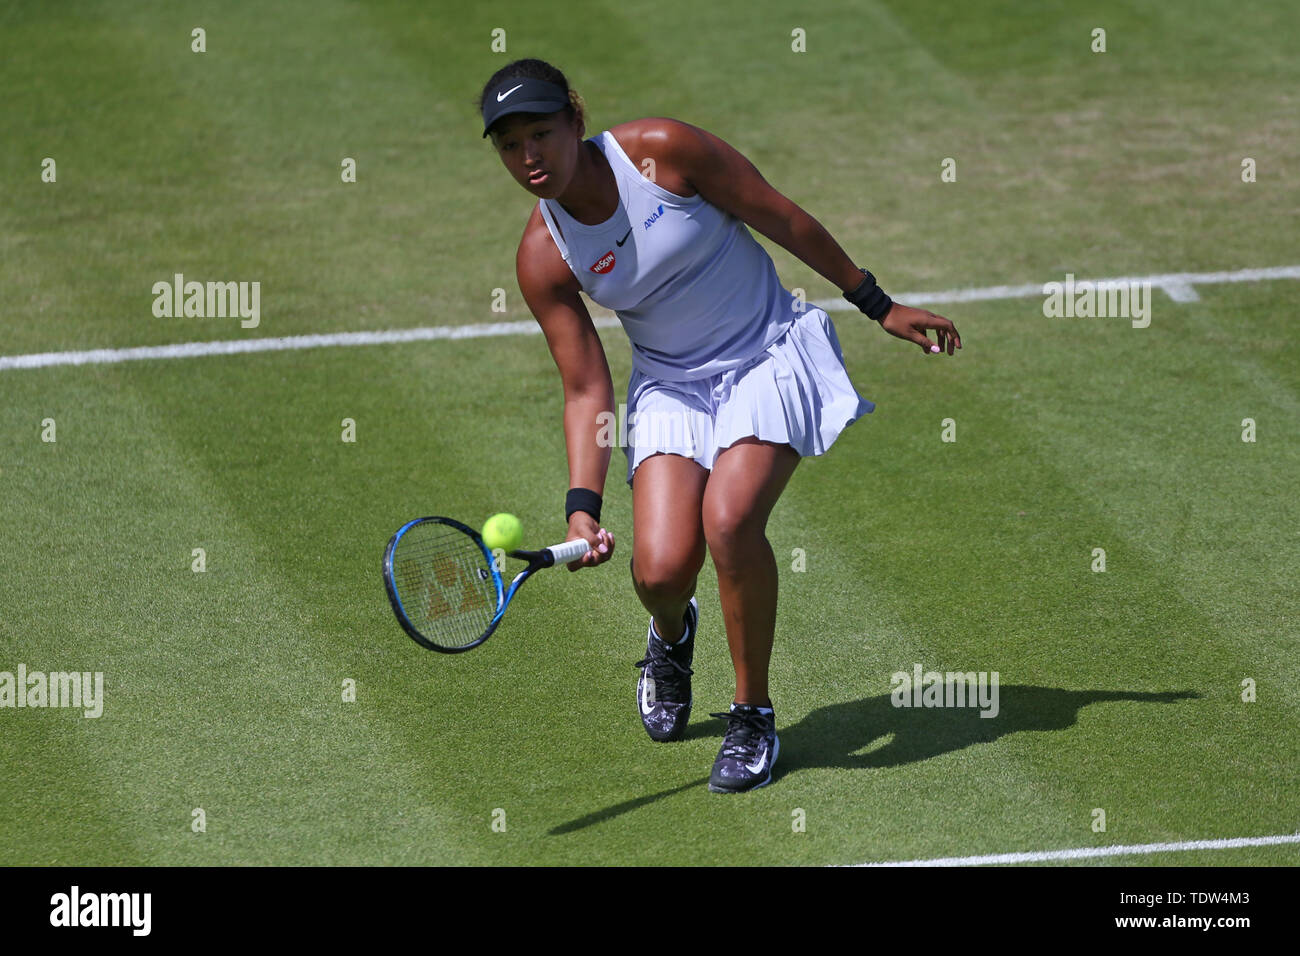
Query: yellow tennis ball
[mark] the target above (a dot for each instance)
(503, 531)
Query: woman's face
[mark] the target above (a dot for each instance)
(540, 152)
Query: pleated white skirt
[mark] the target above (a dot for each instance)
(795, 392)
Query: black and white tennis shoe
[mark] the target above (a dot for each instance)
(663, 692)
(748, 752)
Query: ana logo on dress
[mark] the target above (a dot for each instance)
(658, 212)
(604, 263)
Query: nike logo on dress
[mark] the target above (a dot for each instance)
(502, 96)
(624, 239)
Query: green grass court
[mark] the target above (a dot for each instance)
(223, 691)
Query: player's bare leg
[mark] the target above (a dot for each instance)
(667, 552)
(746, 481)
(667, 537)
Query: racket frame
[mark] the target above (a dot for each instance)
(537, 560)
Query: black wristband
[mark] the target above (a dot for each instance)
(870, 298)
(582, 499)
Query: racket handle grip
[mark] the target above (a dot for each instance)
(569, 551)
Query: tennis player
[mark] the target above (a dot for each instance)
(732, 381)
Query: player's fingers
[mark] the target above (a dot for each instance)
(598, 552)
(944, 331)
(949, 330)
(584, 561)
(916, 334)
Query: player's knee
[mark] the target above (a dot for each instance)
(660, 576)
(732, 534)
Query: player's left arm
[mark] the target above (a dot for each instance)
(725, 178)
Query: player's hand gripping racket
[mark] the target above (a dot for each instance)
(445, 587)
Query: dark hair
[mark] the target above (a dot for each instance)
(535, 70)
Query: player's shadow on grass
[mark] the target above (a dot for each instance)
(873, 733)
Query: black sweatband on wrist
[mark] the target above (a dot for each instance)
(870, 298)
(582, 499)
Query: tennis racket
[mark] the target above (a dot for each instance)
(445, 586)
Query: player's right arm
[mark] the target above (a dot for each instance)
(551, 291)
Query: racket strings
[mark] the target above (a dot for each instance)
(444, 584)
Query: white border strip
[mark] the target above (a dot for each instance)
(1082, 853)
(240, 346)
(1177, 285)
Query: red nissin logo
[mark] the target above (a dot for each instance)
(604, 263)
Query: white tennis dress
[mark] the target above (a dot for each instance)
(720, 349)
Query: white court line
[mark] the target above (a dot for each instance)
(1081, 853)
(1178, 285)
(1175, 284)
(238, 346)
